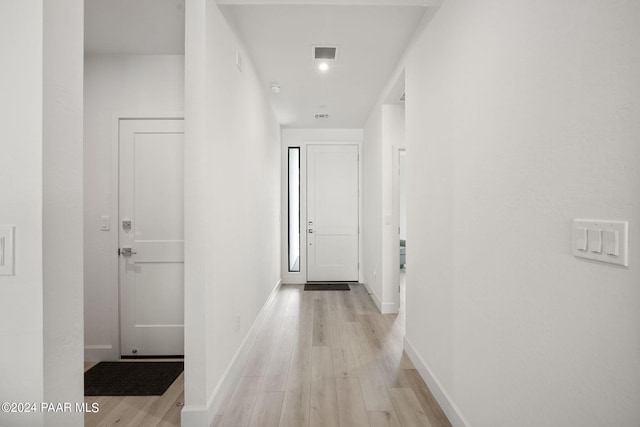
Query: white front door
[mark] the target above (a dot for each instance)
(332, 212)
(151, 234)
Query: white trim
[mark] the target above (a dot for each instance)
(98, 353)
(454, 414)
(389, 308)
(383, 307)
(204, 415)
(301, 276)
(368, 288)
(374, 296)
(423, 3)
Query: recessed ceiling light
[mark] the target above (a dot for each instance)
(323, 66)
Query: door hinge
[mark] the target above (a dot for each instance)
(118, 251)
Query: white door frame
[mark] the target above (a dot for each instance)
(113, 351)
(395, 242)
(301, 277)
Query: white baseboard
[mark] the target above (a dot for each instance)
(444, 400)
(100, 353)
(373, 295)
(389, 308)
(384, 307)
(197, 416)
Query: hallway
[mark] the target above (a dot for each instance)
(329, 358)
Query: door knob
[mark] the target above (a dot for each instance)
(127, 252)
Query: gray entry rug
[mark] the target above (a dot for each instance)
(131, 378)
(326, 287)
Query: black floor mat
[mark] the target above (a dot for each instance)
(131, 378)
(326, 287)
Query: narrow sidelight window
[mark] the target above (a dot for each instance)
(294, 209)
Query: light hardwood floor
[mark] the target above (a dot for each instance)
(329, 358)
(323, 358)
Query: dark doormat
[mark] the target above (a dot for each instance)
(131, 378)
(326, 287)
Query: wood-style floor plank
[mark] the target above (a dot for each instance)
(295, 405)
(267, 409)
(344, 364)
(374, 389)
(384, 419)
(323, 403)
(242, 403)
(429, 404)
(275, 376)
(320, 320)
(351, 408)
(408, 408)
(324, 358)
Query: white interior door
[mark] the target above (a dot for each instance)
(332, 212)
(151, 187)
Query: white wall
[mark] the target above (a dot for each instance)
(372, 204)
(62, 208)
(41, 115)
(115, 85)
(232, 207)
(384, 135)
(300, 138)
(21, 113)
(520, 117)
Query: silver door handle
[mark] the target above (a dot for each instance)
(127, 252)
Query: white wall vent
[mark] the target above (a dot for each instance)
(321, 116)
(324, 53)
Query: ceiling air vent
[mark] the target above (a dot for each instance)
(321, 116)
(327, 53)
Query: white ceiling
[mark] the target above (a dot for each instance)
(279, 39)
(279, 34)
(144, 27)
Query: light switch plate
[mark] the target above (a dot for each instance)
(607, 241)
(6, 250)
(105, 223)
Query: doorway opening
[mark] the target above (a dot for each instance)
(402, 227)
